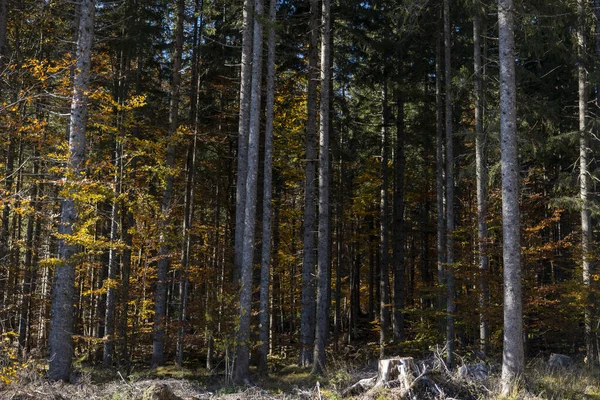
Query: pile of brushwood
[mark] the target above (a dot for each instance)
(405, 378)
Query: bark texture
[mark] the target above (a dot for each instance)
(513, 364)
(243, 335)
(63, 291)
(244, 121)
(440, 167)
(384, 282)
(584, 183)
(265, 269)
(398, 225)
(322, 325)
(450, 306)
(481, 176)
(309, 255)
(160, 305)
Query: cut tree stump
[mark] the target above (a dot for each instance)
(391, 372)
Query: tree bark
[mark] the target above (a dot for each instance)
(450, 306)
(29, 278)
(243, 126)
(188, 213)
(160, 305)
(440, 178)
(309, 255)
(243, 335)
(322, 324)
(111, 292)
(512, 357)
(584, 183)
(61, 323)
(481, 172)
(384, 282)
(265, 271)
(398, 225)
(3, 20)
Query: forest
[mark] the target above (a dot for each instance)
(262, 196)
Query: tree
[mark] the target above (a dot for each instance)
(440, 170)
(309, 255)
(398, 225)
(481, 176)
(243, 334)
(323, 288)
(449, 273)
(61, 323)
(512, 355)
(243, 125)
(384, 282)
(265, 270)
(160, 304)
(584, 181)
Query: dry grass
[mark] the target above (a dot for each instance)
(574, 383)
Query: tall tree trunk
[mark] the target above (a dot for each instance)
(29, 276)
(450, 306)
(242, 152)
(513, 365)
(186, 246)
(584, 184)
(265, 270)
(3, 20)
(322, 323)
(481, 172)
(440, 169)
(160, 303)
(61, 323)
(188, 213)
(398, 225)
(3, 239)
(309, 255)
(243, 335)
(111, 292)
(384, 282)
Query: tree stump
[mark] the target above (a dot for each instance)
(391, 372)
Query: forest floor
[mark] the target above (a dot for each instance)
(290, 382)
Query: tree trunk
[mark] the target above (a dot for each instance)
(61, 323)
(188, 213)
(244, 121)
(3, 20)
(398, 225)
(29, 277)
(584, 184)
(450, 306)
(512, 357)
(160, 305)
(265, 271)
(322, 323)
(481, 172)
(243, 335)
(307, 321)
(111, 292)
(384, 283)
(440, 170)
